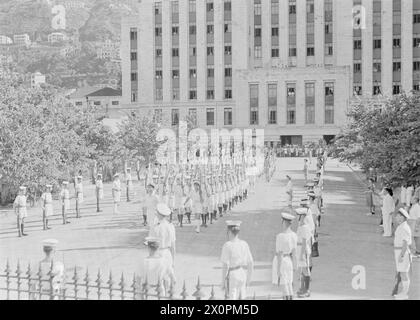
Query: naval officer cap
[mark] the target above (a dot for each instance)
(311, 194)
(151, 185)
(79, 177)
(234, 224)
(287, 216)
(404, 213)
(163, 209)
(49, 243)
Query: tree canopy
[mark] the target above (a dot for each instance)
(385, 137)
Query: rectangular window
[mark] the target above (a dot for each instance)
(133, 56)
(272, 103)
(377, 67)
(193, 95)
(210, 29)
(175, 74)
(134, 96)
(157, 115)
(193, 51)
(158, 31)
(329, 103)
(416, 66)
(193, 30)
(357, 44)
(310, 103)
(210, 73)
(158, 8)
(175, 7)
(357, 67)
(228, 50)
(158, 74)
(175, 31)
(377, 44)
(159, 94)
(310, 51)
(209, 7)
(258, 52)
(192, 114)
(210, 116)
(377, 90)
(115, 103)
(210, 51)
(134, 76)
(175, 94)
(175, 117)
(257, 7)
(396, 66)
(396, 43)
(192, 6)
(228, 94)
(228, 72)
(193, 73)
(275, 52)
(210, 94)
(158, 53)
(291, 103)
(227, 117)
(175, 52)
(253, 92)
(275, 32)
(396, 89)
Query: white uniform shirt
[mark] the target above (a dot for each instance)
(403, 232)
(286, 242)
(20, 204)
(415, 212)
(236, 253)
(165, 231)
(388, 205)
(289, 187)
(304, 232)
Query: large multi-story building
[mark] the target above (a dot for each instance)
(291, 67)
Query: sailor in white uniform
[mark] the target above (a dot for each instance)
(237, 262)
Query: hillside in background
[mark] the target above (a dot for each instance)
(96, 20)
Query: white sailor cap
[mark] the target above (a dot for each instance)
(302, 211)
(235, 224)
(316, 179)
(287, 216)
(197, 182)
(49, 243)
(310, 185)
(116, 175)
(151, 185)
(22, 188)
(155, 176)
(79, 177)
(99, 175)
(311, 194)
(404, 213)
(49, 186)
(163, 209)
(65, 183)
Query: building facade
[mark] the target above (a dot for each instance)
(291, 67)
(22, 39)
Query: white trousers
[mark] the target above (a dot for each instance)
(387, 223)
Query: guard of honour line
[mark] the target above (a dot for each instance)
(183, 194)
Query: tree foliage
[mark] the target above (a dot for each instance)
(385, 137)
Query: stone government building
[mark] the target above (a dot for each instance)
(291, 67)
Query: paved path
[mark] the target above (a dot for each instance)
(347, 238)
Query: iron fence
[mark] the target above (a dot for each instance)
(29, 284)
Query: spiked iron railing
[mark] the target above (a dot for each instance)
(36, 285)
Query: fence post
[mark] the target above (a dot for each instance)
(122, 286)
(134, 287)
(158, 289)
(99, 284)
(51, 280)
(40, 282)
(145, 289)
(28, 277)
(18, 274)
(7, 271)
(212, 295)
(171, 291)
(75, 282)
(184, 293)
(110, 285)
(87, 281)
(198, 294)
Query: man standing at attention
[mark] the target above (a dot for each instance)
(237, 263)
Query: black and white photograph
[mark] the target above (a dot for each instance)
(228, 151)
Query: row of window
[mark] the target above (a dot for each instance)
(192, 7)
(192, 115)
(377, 66)
(377, 89)
(291, 103)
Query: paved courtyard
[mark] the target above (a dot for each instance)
(108, 242)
